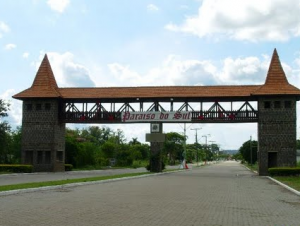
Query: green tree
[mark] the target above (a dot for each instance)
(86, 154)
(195, 152)
(109, 149)
(15, 148)
(96, 135)
(134, 141)
(124, 155)
(237, 156)
(173, 147)
(245, 151)
(83, 149)
(5, 138)
(71, 150)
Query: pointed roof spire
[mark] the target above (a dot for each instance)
(44, 84)
(275, 74)
(45, 76)
(276, 81)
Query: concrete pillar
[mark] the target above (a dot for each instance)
(156, 149)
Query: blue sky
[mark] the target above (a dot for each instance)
(143, 42)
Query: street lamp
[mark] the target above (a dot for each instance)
(207, 135)
(196, 137)
(251, 150)
(212, 142)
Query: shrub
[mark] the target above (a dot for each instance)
(284, 171)
(139, 163)
(68, 167)
(16, 168)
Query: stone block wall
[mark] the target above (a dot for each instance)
(276, 132)
(43, 136)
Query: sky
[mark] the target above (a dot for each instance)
(92, 43)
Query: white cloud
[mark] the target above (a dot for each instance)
(293, 73)
(15, 113)
(66, 72)
(177, 71)
(297, 61)
(152, 7)
(173, 71)
(25, 55)
(248, 70)
(58, 5)
(10, 46)
(250, 20)
(3, 28)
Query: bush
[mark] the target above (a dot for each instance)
(284, 171)
(68, 167)
(139, 163)
(14, 168)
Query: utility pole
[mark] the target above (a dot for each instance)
(251, 150)
(184, 143)
(196, 129)
(206, 144)
(207, 135)
(212, 144)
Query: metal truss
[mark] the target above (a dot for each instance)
(95, 112)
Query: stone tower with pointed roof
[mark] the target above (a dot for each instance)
(277, 119)
(43, 142)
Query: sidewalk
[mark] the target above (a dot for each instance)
(19, 178)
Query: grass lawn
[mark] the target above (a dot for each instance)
(253, 167)
(68, 181)
(293, 182)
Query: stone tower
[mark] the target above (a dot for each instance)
(43, 136)
(277, 119)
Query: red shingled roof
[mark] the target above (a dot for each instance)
(276, 81)
(44, 86)
(158, 91)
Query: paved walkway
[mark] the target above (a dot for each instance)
(224, 194)
(19, 178)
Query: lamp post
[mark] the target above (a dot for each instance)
(212, 142)
(251, 150)
(184, 143)
(207, 135)
(196, 137)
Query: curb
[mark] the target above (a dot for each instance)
(46, 188)
(284, 185)
(279, 183)
(253, 171)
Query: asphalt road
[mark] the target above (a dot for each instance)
(224, 194)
